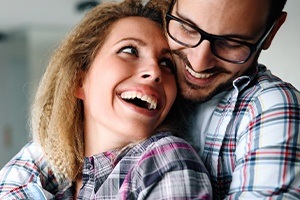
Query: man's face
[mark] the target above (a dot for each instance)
(201, 74)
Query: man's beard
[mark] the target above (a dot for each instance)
(193, 93)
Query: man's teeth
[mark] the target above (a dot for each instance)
(198, 75)
(151, 100)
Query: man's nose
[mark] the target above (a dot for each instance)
(201, 57)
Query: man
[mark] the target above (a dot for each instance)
(246, 121)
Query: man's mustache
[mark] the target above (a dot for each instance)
(183, 58)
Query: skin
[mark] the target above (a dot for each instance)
(201, 75)
(129, 61)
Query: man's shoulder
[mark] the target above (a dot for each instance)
(268, 85)
(266, 79)
(32, 149)
(30, 153)
(267, 91)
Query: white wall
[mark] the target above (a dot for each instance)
(282, 57)
(23, 57)
(13, 107)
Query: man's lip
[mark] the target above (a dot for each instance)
(189, 72)
(198, 75)
(200, 79)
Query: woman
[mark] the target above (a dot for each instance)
(98, 120)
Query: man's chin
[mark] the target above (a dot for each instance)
(195, 96)
(200, 95)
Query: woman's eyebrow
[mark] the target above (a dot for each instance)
(140, 42)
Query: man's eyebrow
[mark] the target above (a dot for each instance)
(167, 51)
(180, 16)
(236, 36)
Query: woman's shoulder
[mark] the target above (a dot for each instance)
(167, 149)
(166, 139)
(166, 161)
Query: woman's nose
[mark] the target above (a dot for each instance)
(152, 73)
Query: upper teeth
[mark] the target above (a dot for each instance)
(151, 100)
(198, 75)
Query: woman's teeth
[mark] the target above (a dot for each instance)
(149, 101)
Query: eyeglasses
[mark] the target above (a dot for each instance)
(225, 48)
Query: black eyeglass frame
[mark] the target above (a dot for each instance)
(211, 37)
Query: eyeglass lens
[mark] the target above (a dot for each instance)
(223, 48)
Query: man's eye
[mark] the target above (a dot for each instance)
(188, 31)
(168, 65)
(129, 50)
(228, 44)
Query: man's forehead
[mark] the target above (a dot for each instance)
(225, 16)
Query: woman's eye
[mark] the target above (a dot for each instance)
(168, 64)
(130, 50)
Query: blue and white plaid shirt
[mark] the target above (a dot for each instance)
(252, 140)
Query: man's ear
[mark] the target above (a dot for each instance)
(79, 92)
(280, 20)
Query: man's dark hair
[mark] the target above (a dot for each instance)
(276, 8)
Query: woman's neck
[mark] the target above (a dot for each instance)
(96, 141)
(78, 185)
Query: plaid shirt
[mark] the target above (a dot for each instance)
(161, 167)
(252, 141)
(27, 176)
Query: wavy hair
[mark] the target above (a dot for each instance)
(57, 115)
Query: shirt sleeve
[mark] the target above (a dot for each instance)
(169, 169)
(268, 150)
(24, 176)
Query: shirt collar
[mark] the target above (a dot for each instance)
(243, 81)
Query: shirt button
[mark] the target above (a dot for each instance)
(90, 166)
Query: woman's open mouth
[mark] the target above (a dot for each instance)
(139, 99)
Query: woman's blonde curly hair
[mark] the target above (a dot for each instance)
(57, 115)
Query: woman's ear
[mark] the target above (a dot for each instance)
(79, 92)
(281, 19)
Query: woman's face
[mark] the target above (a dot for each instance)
(130, 86)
